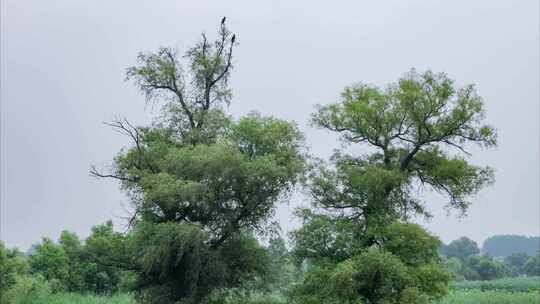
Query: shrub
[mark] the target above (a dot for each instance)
(27, 290)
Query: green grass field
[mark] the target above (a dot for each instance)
(503, 291)
(506, 284)
(456, 297)
(70, 298)
(491, 297)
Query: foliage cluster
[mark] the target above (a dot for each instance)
(463, 261)
(506, 245)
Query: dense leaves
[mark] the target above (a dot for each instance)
(532, 267)
(505, 245)
(74, 266)
(202, 184)
(12, 263)
(411, 129)
(402, 268)
(411, 125)
(461, 248)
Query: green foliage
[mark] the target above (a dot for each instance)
(12, 264)
(27, 290)
(520, 284)
(72, 298)
(461, 248)
(410, 128)
(223, 189)
(532, 267)
(516, 262)
(179, 254)
(323, 238)
(484, 268)
(374, 276)
(465, 264)
(202, 184)
(283, 271)
(50, 260)
(403, 268)
(106, 255)
(73, 266)
(411, 243)
(455, 267)
(505, 245)
(235, 296)
(409, 125)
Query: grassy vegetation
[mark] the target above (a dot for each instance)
(71, 298)
(503, 291)
(491, 297)
(455, 297)
(523, 284)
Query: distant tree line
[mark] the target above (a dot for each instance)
(464, 260)
(506, 245)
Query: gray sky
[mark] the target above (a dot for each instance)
(63, 64)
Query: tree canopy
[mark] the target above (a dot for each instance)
(201, 183)
(461, 248)
(417, 133)
(506, 245)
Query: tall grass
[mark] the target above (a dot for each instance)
(72, 298)
(522, 284)
(491, 297)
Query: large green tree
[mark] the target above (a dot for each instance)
(12, 264)
(416, 134)
(462, 248)
(50, 260)
(201, 183)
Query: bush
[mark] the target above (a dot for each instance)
(27, 290)
(532, 267)
(242, 296)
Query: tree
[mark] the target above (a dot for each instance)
(50, 260)
(72, 247)
(461, 248)
(532, 267)
(517, 261)
(283, 271)
(484, 268)
(12, 264)
(505, 245)
(102, 257)
(201, 183)
(455, 267)
(411, 128)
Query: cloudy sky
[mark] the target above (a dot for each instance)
(62, 74)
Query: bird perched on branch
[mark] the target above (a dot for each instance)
(223, 20)
(233, 37)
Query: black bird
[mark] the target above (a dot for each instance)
(223, 20)
(233, 37)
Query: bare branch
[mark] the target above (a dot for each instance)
(178, 91)
(448, 142)
(95, 173)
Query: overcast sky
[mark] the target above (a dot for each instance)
(62, 74)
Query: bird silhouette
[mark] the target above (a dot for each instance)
(223, 20)
(233, 37)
